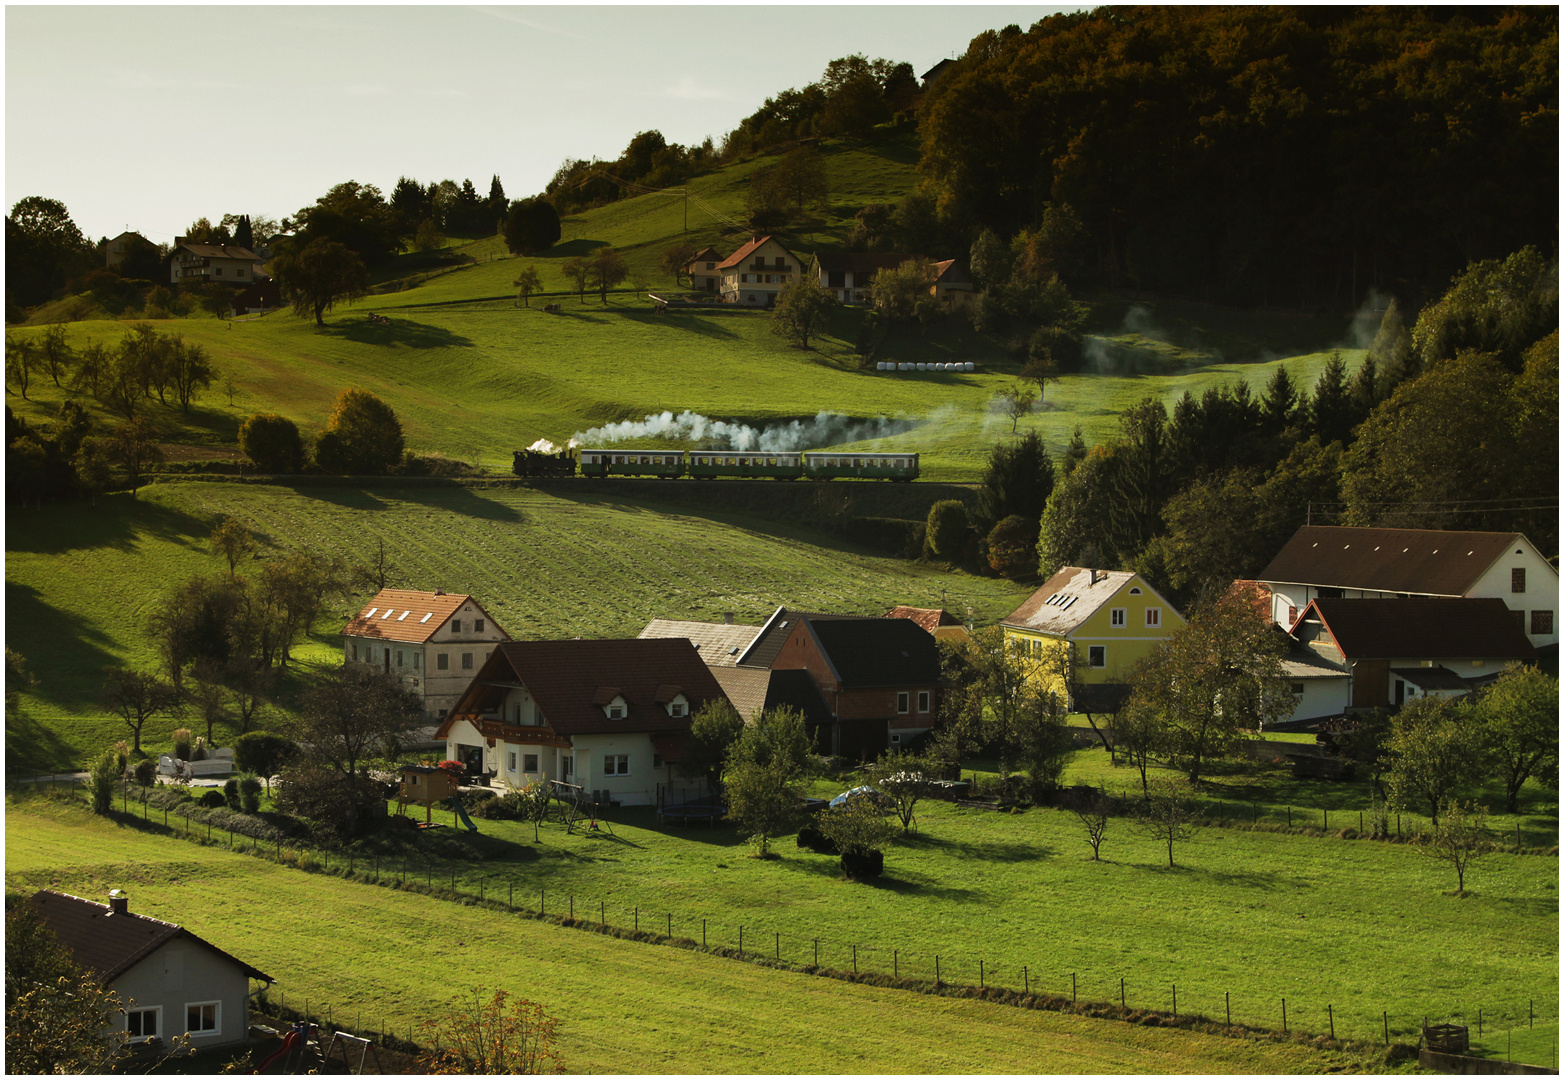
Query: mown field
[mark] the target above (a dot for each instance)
(624, 1006)
(82, 581)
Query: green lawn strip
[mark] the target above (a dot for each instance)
(1536, 1043)
(1364, 928)
(82, 581)
(388, 957)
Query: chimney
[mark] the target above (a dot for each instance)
(1094, 576)
(439, 592)
(119, 902)
(727, 618)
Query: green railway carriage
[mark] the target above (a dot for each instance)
(664, 463)
(706, 464)
(832, 466)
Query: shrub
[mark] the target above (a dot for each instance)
(182, 743)
(272, 442)
(1012, 547)
(231, 792)
(250, 794)
(122, 755)
(947, 529)
(212, 799)
(101, 780)
(861, 867)
(815, 840)
(145, 772)
(264, 754)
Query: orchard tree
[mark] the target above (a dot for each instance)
(897, 292)
(1016, 401)
(1519, 716)
(1460, 837)
(1167, 813)
(136, 447)
(322, 275)
(905, 779)
(136, 697)
(801, 307)
(527, 282)
(764, 776)
(190, 370)
(714, 728)
(1437, 752)
(606, 268)
(233, 542)
(676, 259)
(1094, 813)
(54, 353)
(21, 360)
(576, 271)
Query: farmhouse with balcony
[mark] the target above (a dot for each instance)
(435, 641)
(169, 981)
(756, 272)
(213, 262)
(1396, 650)
(610, 716)
(1330, 562)
(1088, 626)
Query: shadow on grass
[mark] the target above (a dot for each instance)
(895, 879)
(119, 520)
(996, 852)
(463, 501)
(31, 748)
(572, 247)
(402, 333)
(685, 322)
(38, 630)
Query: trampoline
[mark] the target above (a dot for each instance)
(696, 810)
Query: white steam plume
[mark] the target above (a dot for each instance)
(543, 446)
(826, 429)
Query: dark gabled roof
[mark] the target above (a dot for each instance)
(795, 689)
(705, 254)
(220, 251)
(109, 943)
(950, 274)
(1423, 628)
(1432, 678)
(744, 252)
(1424, 562)
(566, 678)
(866, 262)
(762, 651)
(878, 652)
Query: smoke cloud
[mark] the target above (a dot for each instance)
(826, 429)
(1366, 320)
(543, 446)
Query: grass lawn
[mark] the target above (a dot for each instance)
(82, 581)
(382, 958)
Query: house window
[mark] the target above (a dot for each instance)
(1153, 617)
(456, 626)
(416, 658)
(466, 661)
(141, 1023)
(442, 662)
(901, 701)
(529, 763)
(1117, 618)
(566, 767)
(923, 701)
(1542, 622)
(676, 708)
(511, 762)
(477, 626)
(616, 764)
(399, 658)
(201, 1017)
(1292, 614)
(1097, 656)
(218, 271)
(616, 712)
(355, 650)
(1297, 689)
(1518, 579)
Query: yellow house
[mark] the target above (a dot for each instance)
(1089, 626)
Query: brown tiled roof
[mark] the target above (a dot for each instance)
(949, 269)
(878, 652)
(705, 254)
(928, 618)
(220, 251)
(746, 687)
(763, 650)
(864, 262)
(720, 644)
(1423, 628)
(1079, 599)
(744, 252)
(110, 944)
(570, 679)
(408, 615)
(1427, 562)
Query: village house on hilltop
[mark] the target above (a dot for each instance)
(434, 641)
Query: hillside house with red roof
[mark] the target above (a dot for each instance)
(435, 641)
(169, 981)
(756, 272)
(610, 716)
(1331, 562)
(937, 621)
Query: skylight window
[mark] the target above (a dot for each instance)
(426, 618)
(370, 614)
(389, 613)
(402, 616)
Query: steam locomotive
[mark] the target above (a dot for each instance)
(710, 464)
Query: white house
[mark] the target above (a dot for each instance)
(1339, 562)
(609, 716)
(436, 641)
(169, 981)
(847, 275)
(213, 262)
(756, 272)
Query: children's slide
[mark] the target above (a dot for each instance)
(461, 812)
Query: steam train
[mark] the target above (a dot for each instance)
(710, 464)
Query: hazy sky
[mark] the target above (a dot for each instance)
(148, 118)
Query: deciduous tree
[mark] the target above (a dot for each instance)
(763, 779)
(233, 542)
(714, 728)
(676, 259)
(576, 271)
(272, 442)
(606, 268)
(322, 275)
(366, 432)
(527, 282)
(1519, 715)
(264, 754)
(500, 1036)
(531, 226)
(1436, 751)
(1016, 401)
(947, 530)
(59, 1018)
(1167, 813)
(801, 307)
(1460, 837)
(1094, 813)
(136, 697)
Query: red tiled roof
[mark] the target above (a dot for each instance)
(1423, 628)
(570, 681)
(744, 252)
(408, 615)
(110, 943)
(928, 618)
(1430, 562)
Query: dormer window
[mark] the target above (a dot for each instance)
(677, 705)
(616, 712)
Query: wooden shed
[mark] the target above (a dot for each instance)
(426, 784)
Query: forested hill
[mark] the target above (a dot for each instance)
(1286, 156)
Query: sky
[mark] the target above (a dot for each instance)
(149, 118)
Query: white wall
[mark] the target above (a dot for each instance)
(183, 972)
(1542, 588)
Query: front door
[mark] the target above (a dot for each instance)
(1401, 691)
(471, 758)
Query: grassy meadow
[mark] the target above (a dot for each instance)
(616, 999)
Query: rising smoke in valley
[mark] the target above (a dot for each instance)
(825, 429)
